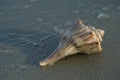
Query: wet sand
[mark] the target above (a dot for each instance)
(26, 37)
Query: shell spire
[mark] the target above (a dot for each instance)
(80, 24)
(80, 39)
(102, 32)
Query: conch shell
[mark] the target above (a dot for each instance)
(77, 39)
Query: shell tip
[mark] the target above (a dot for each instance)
(102, 32)
(79, 22)
(42, 64)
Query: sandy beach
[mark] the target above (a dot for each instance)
(26, 37)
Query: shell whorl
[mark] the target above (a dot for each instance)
(86, 34)
(98, 32)
(82, 35)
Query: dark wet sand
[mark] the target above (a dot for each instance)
(26, 37)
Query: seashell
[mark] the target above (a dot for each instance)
(77, 39)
